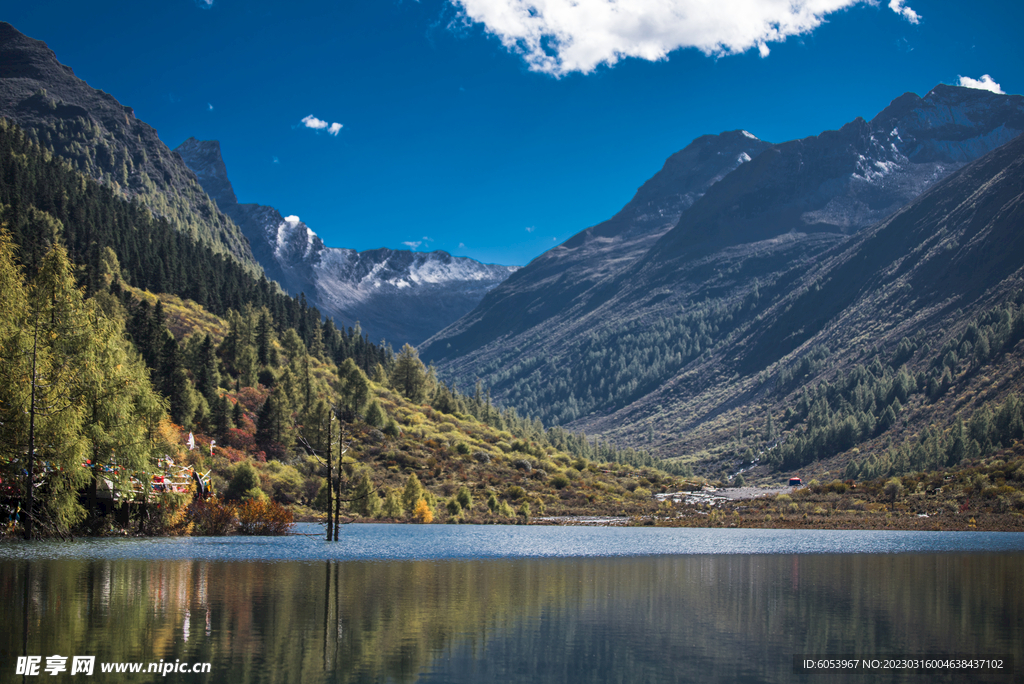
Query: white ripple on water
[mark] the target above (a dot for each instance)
(439, 542)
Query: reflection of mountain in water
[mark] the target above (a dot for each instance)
(666, 618)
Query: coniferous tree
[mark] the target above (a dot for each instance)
(264, 337)
(15, 371)
(375, 415)
(237, 414)
(47, 337)
(365, 501)
(60, 330)
(273, 433)
(392, 507)
(412, 492)
(221, 411)
(174, 382)
(354, 389)
(204, 367)
(409, 376)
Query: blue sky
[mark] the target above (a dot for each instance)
(497, 129)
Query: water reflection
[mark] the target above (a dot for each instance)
(655, 619)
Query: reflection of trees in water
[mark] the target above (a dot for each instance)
(735, 618)
(675, 617)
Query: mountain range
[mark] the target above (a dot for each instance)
(396, 295)
(732, 262)
(850, 300)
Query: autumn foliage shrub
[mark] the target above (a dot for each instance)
(422, 513)
(262, 517)
(212, 517)
(169, 516)
(239, 439)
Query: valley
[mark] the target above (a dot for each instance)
(847, 307)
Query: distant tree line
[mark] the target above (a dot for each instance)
(614, 366)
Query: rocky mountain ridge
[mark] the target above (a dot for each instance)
(103, 139)
(396, 295)
(589, 351)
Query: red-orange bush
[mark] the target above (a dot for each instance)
(263, 517)
(240, 439)
(211, 517)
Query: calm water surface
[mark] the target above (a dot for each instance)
(408, 603)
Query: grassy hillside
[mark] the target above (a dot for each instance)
(498, 467)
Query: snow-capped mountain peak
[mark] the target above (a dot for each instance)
(397, 295)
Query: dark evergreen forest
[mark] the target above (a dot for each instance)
(152, 255)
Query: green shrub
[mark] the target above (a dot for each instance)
(244, 479)
(464, 498)
(506, 510)
(515, 492)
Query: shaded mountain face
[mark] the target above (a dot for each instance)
(396, 295)
(627, 334)
(103, 139)
(918, 314)
(577, 273)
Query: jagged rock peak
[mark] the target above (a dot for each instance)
(205, 160)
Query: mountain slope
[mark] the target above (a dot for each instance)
(888, 336)
(570, 276)
(639, 338)
(396, 295)
(103, 139)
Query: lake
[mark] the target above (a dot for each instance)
(444, 603)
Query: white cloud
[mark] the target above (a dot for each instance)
(530, 229)
(905, 12)
(205, 4)
(320, 125)
(276, 160)
(412, 244)
(210, 106)
(559, 37)
(313, 122)
(292, 219)
(462, 245)
(986, 83)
